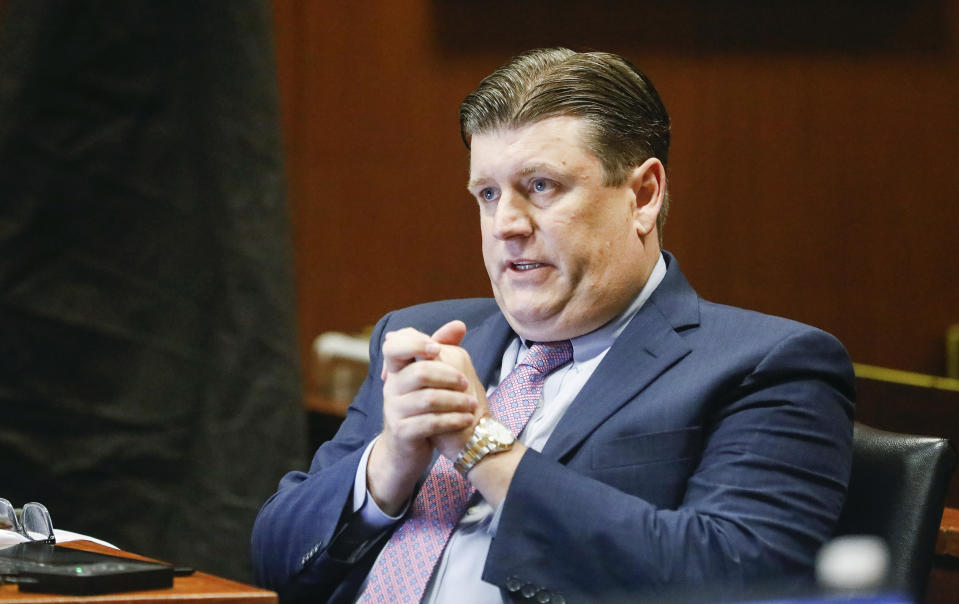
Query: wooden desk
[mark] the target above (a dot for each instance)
(198, 587)
(948, 543)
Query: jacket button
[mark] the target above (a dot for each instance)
(513, 584)
(558, 599)
(529, 590)
(543, 597)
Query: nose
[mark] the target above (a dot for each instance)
(512, 218)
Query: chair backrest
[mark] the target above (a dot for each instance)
(897, 491)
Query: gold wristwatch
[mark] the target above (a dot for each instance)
(489, 436)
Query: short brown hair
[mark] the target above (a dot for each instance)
(627, 119)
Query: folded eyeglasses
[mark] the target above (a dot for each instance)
(33, 522)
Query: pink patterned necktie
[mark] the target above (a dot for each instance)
(406, 563)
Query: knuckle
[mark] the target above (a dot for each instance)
(436, 423)
(390, 350)
(417, 373)
(457, 355)
(428, 401)
(436, 401)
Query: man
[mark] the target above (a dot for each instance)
(664, 442)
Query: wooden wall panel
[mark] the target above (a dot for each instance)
(813, 166)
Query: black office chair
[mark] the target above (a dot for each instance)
(897, 491)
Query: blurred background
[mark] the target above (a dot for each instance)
(191, 193)
(813, 164)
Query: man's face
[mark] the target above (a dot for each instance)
(563, 252)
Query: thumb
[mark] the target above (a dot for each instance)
(452, 333)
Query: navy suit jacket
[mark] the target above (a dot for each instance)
(711, 446)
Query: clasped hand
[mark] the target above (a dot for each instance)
(432, 399)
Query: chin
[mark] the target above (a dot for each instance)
(537, 328)
(550, 327)
(534, 319)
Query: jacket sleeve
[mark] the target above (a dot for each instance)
(764, 495)
(297, 543)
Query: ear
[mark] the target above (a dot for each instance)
(648, 183)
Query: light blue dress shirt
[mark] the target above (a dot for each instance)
(457, 577)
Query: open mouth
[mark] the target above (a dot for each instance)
(525, 266)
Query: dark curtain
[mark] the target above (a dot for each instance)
(149, 383)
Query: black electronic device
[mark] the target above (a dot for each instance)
(39, 567)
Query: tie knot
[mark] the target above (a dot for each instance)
(547, 356)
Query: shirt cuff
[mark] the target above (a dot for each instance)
(494, 522)
(370, 513)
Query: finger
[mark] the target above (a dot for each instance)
(451, 333)
(427, 425)
(402, 347)
(459, 359)
(399, 333)
(426, 374)
(429, 401)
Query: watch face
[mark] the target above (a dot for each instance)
(498, 431)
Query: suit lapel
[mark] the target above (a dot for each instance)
(485, 344)
(647, 347)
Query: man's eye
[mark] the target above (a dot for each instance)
(540, 185)
(488, 194)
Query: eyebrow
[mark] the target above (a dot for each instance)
(472, 184)
(540, 167)
(531, 169)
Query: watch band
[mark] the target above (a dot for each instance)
(489, 436)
